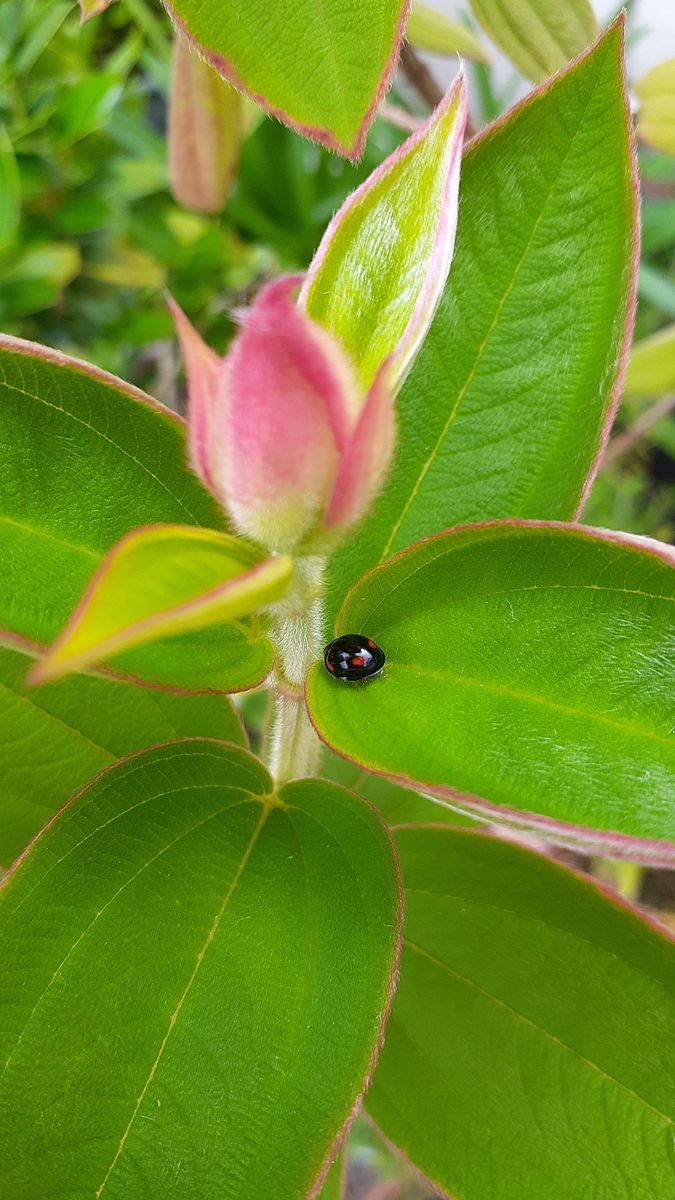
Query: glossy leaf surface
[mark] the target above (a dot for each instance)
(321, 68)
(209, 961)
(159, 580)
(56, 738)
(87, 458)
(656, 116)
(505, 407)
(382, 264)
(651, 368)
(538, 37)
(530, 675)
(530, 1053)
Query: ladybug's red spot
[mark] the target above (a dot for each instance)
(372, 645)
(330, 666)
(358, 661)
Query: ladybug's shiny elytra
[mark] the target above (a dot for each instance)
(353, 657)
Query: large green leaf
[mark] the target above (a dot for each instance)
(530, 675)
(56, 738)
(398, 805)
(87, 458)
(321, 68)
(530, 1054)
(195, 976)
(504, 410)
(538, 36)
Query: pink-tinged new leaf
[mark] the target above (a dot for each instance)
(291, 403)
(366, 457)
(203, 370)
(382, 264)
(206, 128)
(161, 580)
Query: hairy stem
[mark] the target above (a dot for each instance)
(293, 747)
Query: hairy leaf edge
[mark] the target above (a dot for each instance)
(652, 852)
(324, 137)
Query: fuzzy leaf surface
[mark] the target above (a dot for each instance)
(195, 977)
(320, 68)
(530, 673)
(532, 1037)
(507, 403)
(57, 737)
(88, 458)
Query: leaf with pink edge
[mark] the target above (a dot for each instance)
(320, 68)
(382, 264)
(532, 1036)
(161, 580)
(512, 394)
(529, 677)
(196, 975)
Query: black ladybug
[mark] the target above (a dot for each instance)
(352, 657)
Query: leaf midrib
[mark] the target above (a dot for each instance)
(490, 685)
(520, 1017)
(481, 349)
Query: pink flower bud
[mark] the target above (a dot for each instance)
(279, 430)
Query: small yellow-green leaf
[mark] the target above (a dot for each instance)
(206, 127)
(656, 118)
(651, 368)
(433, 31)
(539, 37)
(382, 264)
(161, 580)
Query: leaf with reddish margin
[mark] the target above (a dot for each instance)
(532, 1036)
(529, 677)
(159, 580)
(58, 738)
(206, 129)
(322, 69)
(512, 395)
(213, 962)
(377, 276)
(87, 458)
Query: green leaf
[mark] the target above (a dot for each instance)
(57, 738)
(651, 367)
(91, 8)
(656, 118)
(530, 675)
(87, 106)
(538, 37)
(335, 1182)
(159, 580)
(433, 31)
(10, 193)
(504, 410)
(530, 1054)
(201, 969)
(206, 129)
(86, 459)
(398, 805)
(321, 68)
(376, 278)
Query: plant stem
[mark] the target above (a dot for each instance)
(293, 747)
